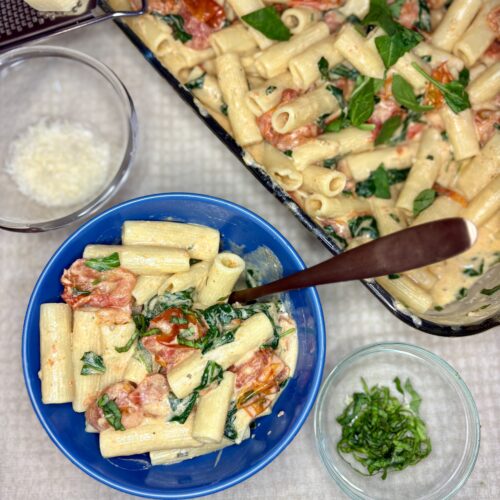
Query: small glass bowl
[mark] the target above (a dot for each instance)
(447, 409)
(44, 83)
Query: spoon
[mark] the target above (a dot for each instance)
(410, 248)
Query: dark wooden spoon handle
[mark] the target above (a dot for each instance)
(410, 248)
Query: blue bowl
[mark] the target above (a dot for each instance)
(203, 475)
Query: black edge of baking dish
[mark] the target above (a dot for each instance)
(261, 175)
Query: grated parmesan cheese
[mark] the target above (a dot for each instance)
(59, 163)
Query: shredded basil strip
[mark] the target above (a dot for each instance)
(182, 408)
(176, 22)
(92, 364)
(197, 83)
(462, 293)
(424, 17)
(378, 183)
(470, 271)
(111, 412)
(269, 23)
(364, 224)
(229, 427)
(104, 263)
(160, 303)
(323, 68)
(423, 200)
(144, 356)
(341, 242)
(383, 433)
(490, 291)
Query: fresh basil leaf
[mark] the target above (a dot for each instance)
(470, 271)
(381, 181)
(423, 200)
(341, 242)
(342, 71)
(182, 408)
(490, 291)
(288, 152)
(454, 92)
(338, 94)
(362, 102)
(424, 17)
(338, 124)
(403, 93)
(176, 22)
(129, 344)
(144, 356)
(323, 69)
(213, 373)
(104, 263)
(269, 23)
(380, 14)
(92, 364)
(395, 7)
(229, 428)
(388, 128)
(332, 162)
(197, 83)
(397, 175)
(111, 412)
(392, 47)
(399, 387)
(364, 224)
(464, 77)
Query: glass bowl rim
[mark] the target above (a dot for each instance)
(34, 52)
(423, 354)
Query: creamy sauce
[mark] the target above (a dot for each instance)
(480, 258)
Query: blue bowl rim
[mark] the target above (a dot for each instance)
(317, 375)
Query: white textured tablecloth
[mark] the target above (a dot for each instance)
(178, 153)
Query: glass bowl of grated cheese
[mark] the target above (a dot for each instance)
(67, 137)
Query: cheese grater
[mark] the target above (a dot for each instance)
(20, 24)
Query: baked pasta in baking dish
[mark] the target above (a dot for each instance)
(373, 116)
(147, 346)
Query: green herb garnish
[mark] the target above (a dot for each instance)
(111, 412)
(177, 24)
(394, 276)
(229, 428)
(104, 263)
(269, 23)
(341, 242)
(387, 131)
(470, 271)
(270, 89)
(403, 93)
(383, 433)
(362, 102)
(364, 224)
(323, 69)
(462, 293)
(454, 92)
(424, 17)
(92, 364)
(423, 200)
(197, 83)
(379, 181)
(490, 291)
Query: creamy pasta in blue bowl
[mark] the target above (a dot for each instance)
(143, 375)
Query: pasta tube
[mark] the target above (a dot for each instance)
(454, 23)
(478, 37)
(201, 242)
(324, 181)
(304, 110)
(222, 276)
(86, 338)
(141, 259)
(189, 279)
(265, 97)
(169, 457)
(275, 59)
(235, 38)
(321, 206)
(115, 362)
(234, 87)
(486, 86)
(211, 413)
(252, 333)
(461, 132)
(152, 435)
(55, 353)
(297, 19)
(442, 208)
(485, 204)
(407, 292)
(147, 287)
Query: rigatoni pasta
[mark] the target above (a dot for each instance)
(163, 364)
